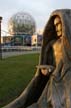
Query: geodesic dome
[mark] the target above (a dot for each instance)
(21, 23)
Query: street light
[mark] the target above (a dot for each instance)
(0, 39)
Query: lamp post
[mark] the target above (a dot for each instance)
(0, 39)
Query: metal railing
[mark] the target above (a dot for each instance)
(20, 48)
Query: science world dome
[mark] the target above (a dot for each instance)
(21, 23)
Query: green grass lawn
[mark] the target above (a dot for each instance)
(15, 74)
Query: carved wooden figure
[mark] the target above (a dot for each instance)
(51, 85)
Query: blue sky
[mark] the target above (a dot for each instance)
(39, 9)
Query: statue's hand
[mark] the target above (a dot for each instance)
(46, 69)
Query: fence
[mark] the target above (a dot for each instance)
(8, 51)
(20, 48)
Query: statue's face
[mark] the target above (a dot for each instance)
(58, 26)
(57, 46)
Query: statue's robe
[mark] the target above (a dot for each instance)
(54, 90)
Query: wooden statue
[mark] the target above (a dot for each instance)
(51, 85)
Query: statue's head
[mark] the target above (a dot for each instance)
(58, 26)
